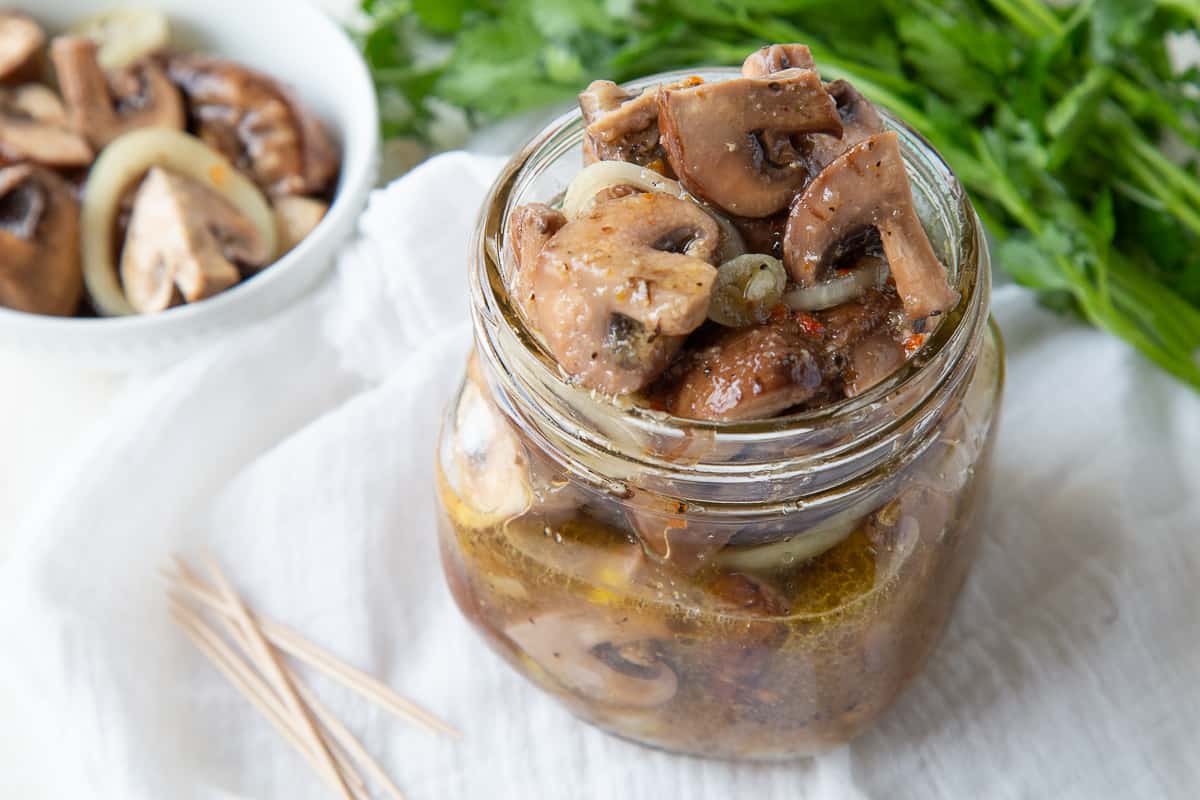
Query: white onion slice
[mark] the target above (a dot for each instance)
(794, 550)
(746, 289)
(124, 35)
(595, 178)
(603, 175)
(121, 165)
(868, 274)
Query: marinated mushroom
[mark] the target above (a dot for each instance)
(34, 127)
(620, 126)
(256, 124)
(21, 40)
(615, 662)
(606, 180)
(184, 240)
(613, 292)
(529, 228)
(103, 106)
(867, 187)
(871, 360)
(748, 373)
(777, 58)
(714, 138)
(39, 242)
(860, 121)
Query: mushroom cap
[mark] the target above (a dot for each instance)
(755, 372)
(103, 107)
(184, 239)
(21, 39)
(777, 58)
(613, 292)
(712, 135)
(39, 242)
(867, 187)
(33, 127)
(256, 124)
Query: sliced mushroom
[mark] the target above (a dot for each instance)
(615, 662)
(184, 237)
(122, 165)
(613, 292)
(860, 121)
(867, 187)
(713, 136)
(872, 359)
(21, 40)
(621, 126)
(777, 58)
(608, 180)
(39, 242)
(102, 107)
(296, 217)
(529, 228)
(256, 124)
(748, 373)
(33, 127)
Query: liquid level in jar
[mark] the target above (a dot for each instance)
(728, 658)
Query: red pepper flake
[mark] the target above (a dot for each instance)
(914, 343)
(811, 325)
(780, 312)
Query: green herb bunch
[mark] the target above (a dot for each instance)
(1067, 122)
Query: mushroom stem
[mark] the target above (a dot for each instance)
(868, 187)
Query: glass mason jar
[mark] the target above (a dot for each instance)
(755, 590)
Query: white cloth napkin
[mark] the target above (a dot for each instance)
(301, 452)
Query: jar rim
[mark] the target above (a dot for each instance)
(494, 312)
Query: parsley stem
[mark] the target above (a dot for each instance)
(1032, 17)
(1152, 182)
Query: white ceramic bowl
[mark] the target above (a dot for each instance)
(298, 45)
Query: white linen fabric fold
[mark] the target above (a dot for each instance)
(301, 452)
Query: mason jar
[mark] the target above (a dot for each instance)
(757, 590)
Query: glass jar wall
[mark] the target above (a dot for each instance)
(749, 590)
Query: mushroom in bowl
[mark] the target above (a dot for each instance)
(197, 157)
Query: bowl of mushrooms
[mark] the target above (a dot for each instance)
(172, 171)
